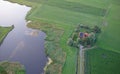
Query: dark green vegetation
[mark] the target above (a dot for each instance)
(84, 35)
(101, 61)
(58, 18)
(2, 70)
(11, 68)
(3, 32)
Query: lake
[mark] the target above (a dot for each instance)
(22, 44)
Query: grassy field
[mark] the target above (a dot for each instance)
(109, 39)
(101, 61)
(3, 32)
(58, 18)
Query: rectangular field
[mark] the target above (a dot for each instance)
(101, 61)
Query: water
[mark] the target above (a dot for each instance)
(22, 44)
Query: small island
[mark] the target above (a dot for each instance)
(11, 68)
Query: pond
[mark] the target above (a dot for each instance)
(22, 44)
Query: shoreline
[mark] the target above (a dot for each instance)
(48, 63)
(28, 21)
(49, 59)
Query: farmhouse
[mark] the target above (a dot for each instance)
(83, 35)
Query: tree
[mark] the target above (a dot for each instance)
(96, 29)
(92, 38)
(74, 44)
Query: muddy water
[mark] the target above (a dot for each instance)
(22, 44)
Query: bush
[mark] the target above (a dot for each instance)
(77, 30)
(2, 70)
(74, 36)
(75, 44)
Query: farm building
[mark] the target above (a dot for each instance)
(83, 35)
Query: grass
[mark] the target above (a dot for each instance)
(74, 6)
(109, 39)
(68, 17)
(3, 32)
(95, 3)
(58, 18)
(101, 61)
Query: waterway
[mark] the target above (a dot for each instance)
(22, 44)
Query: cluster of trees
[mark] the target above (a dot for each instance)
(75, 40)
(96, 29)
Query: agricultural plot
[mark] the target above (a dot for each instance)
(109, 39)
(62, 16)
(101, 61)
(76, 7)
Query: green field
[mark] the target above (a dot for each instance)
(109, 39)
(101, 61)
(3, 32)
(58, 18)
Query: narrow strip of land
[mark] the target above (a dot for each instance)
(81, 53)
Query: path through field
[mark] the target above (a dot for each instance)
(81, 53)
